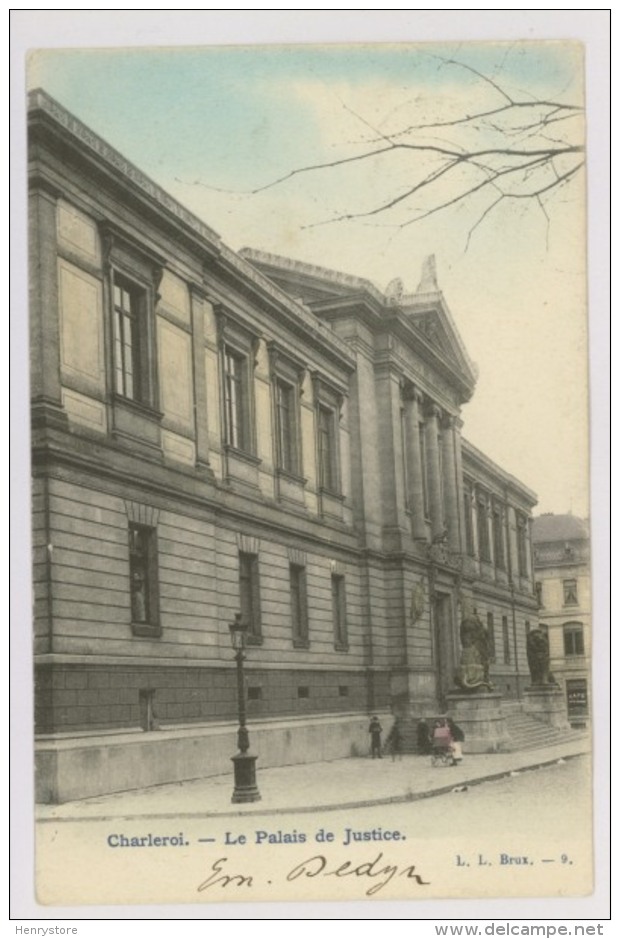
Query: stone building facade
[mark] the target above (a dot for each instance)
(561, 546)
(215, 432)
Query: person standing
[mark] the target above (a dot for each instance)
(423, 736)
(457, 739)
(395, 741)
(375, 730)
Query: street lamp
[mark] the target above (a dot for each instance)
(244, 762)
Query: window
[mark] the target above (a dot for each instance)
(299, 606)
(506, 640)
(339, 612)
(498, 537)
(570, 592)
(539, 593)
(403, 450)
(143, 586)
(573, 639)
(522, 545)
(491, 637)
(327, 449)
(236, 400)
(469, 530)
(286, 427)
(130, 341)
(483, 530)
(422, 437)
(249, 596)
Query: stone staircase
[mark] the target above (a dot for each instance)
(524, 732)
(528, 733)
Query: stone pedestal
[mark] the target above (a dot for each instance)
(412, 692)
(547, 704)
(481, 719)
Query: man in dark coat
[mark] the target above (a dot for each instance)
(375, 730)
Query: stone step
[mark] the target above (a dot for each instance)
(524, 732)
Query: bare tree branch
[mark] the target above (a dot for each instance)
(512, 149)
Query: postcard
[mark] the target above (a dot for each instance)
(310, 490)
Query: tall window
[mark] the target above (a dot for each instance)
(539, 593)
(403, 450)
(506, 640)
(339, 612)
(249, 595)
(498, 537)
(143, 585)
(129, 340)
(469, 529)
(235, 400)
(422, 438)
(570, 592)
(522, 545)
(286, 426)
(299, 606)
(327, 449)
(483, 530)
(573, 639)
(491, 636)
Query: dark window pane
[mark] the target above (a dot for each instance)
(143, 575)
(249, 593)
(299, 612)
(327, 475)
(129, 326)
(506, 640)
(339, 610)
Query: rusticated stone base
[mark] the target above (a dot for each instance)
(481, 719)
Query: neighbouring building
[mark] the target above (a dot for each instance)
(215, 432)
(562, 570)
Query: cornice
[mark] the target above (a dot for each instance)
(44, 109)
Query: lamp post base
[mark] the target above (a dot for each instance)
(245, 789)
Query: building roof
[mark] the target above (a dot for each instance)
(550, 527)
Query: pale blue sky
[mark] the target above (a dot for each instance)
(237, 118)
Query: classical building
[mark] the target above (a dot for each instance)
(562, 570)
(216, 432)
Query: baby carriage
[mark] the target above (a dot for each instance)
(442, 753)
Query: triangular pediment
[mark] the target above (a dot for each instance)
(435, 331)
(430, 316)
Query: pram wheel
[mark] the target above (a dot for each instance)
(442, 757)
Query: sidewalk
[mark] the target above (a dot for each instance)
(310, 787)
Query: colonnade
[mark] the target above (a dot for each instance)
(432, 458)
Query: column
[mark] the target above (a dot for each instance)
(460, 494)
(450, 486)
(200, 382)
(433, 414)
(413, 399)
(529, 568)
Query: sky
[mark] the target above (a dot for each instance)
(214, 124)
